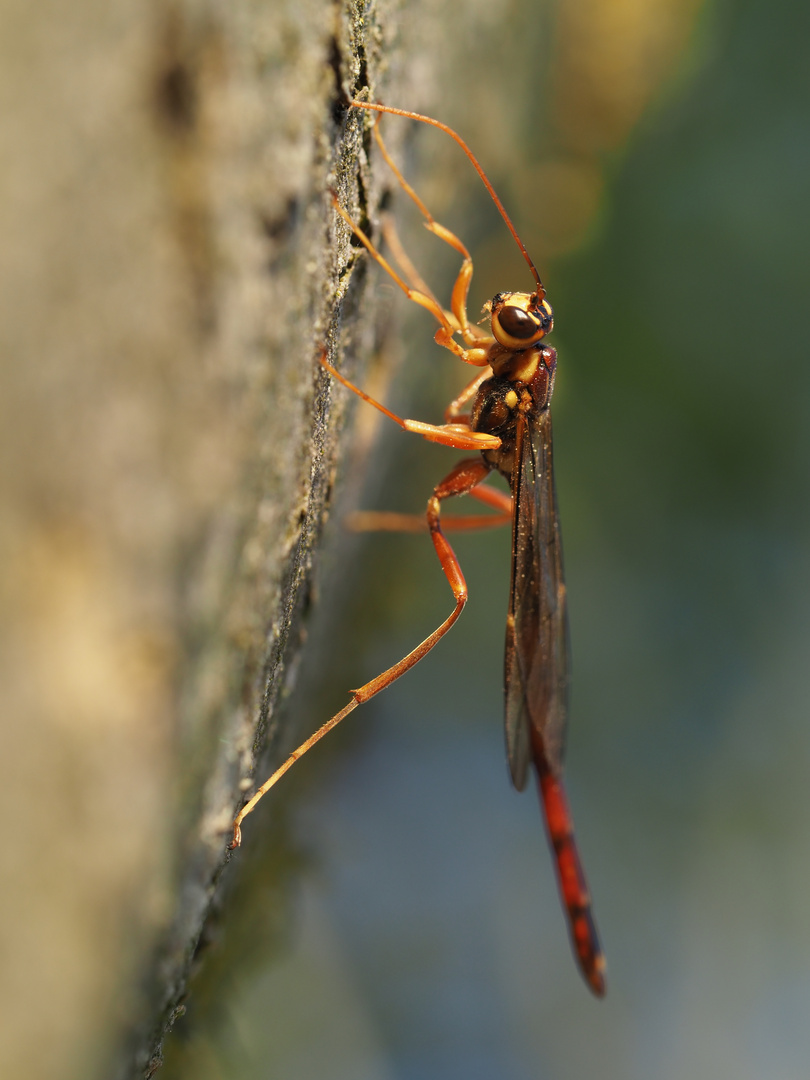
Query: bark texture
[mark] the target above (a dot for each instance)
(170, 270)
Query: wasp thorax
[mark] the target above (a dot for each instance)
(495, 406)
(518, 320)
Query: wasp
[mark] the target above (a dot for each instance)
(509, 428)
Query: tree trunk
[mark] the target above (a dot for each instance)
(170, 273)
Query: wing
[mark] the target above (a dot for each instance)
(536, 666)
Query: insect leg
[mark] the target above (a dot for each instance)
(453, 410)
(458, 302)
(462, 479)
(386, 521)
(403, 260)
(457, 435)
(477, 356)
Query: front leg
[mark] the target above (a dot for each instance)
(458, 303)
(477, 355)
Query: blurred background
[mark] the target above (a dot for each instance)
(395, 913)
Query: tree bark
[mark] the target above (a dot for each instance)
(171, 271)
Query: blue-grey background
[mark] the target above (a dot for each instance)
(396, 914)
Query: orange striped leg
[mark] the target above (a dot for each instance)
(461, 480)
(571, 879)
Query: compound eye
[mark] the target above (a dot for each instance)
(518, 323)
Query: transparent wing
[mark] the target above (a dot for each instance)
(536, 665)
